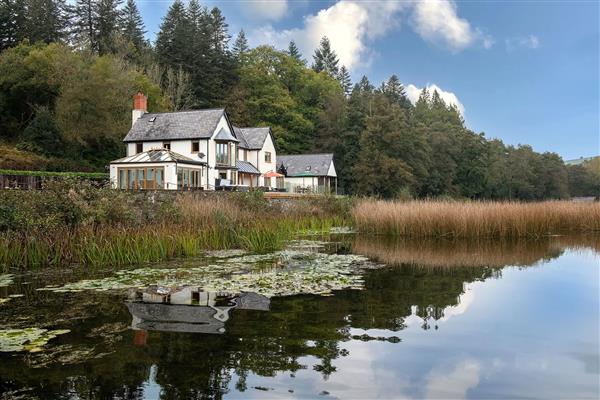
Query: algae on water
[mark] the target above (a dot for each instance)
(293, 272)
(29, 339)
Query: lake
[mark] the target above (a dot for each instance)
(423, 319)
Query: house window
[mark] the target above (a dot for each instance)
(167, 145)
(245, 155)
(139, 147)
(267, 156)
(141, 178)
(188, 178)
(223, 153)
(195, 146)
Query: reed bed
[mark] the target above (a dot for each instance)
(475, 219)
(117, 229)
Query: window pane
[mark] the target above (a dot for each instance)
(131, 179)
(140, 178)
(159, 178)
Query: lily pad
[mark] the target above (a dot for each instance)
(29, 339)
(6, 279)
(226, 253)
(297, 272)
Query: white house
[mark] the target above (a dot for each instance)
(308, 173)
(198, 149)
(191, 150)
(257, 148)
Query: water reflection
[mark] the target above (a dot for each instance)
(440, 253)
(187, 309)
(450, 319)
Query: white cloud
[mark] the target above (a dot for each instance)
(265, 9)
(454, 384)
(351, 25)
(348, 25)
(413, 93)
(437, 20)
(529, 42)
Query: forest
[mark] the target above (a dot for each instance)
(68, 72)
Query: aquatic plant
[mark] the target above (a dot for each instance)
(6, 279)
(29, 339)
(470, 219)
(295, 273)
(97, 227)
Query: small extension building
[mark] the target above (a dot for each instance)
(308, 173)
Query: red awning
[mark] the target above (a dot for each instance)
(272, 174)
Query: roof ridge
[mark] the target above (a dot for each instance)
(185, 111)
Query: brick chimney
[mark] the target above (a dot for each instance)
(140, 107)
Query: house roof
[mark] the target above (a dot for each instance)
(252, 138)
(305, 164)
(157, 156)
(175, 125)
(246, 167)
(224, 135)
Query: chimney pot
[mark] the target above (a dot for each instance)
(140, 102)
(140, 107)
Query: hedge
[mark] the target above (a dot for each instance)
(86, 175)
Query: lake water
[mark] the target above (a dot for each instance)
(435, 319)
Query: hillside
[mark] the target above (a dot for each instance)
(67, 108)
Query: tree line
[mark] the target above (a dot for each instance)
(68, 71)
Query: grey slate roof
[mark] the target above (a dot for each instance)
(157, 156)
(225, 136)
(252, 138)
(198, 124)
(246, 167)
(305, 164)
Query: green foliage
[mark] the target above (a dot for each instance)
(42, 135)
(64, 109)
(325, 58)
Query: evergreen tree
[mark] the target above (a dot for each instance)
(345, 81)
(12, 22)
(240, 46)
(394, 90)
(108, 16)
(294, 52)
(219, 37)
(47, 20)
(325, 58)
(174, 40)
(132, 25)
(42, 135)
(85, 21)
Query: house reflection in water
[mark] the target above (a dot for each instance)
(186, 309)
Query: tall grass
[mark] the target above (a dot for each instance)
(186, 227)
(475, 219)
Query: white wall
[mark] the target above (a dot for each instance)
(331, 171)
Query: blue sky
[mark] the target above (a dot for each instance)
(523, 71)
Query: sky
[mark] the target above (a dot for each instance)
(526, 72)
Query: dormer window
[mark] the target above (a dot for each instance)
(195, 146)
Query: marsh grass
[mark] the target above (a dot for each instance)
(474, 219)
(153, 230)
